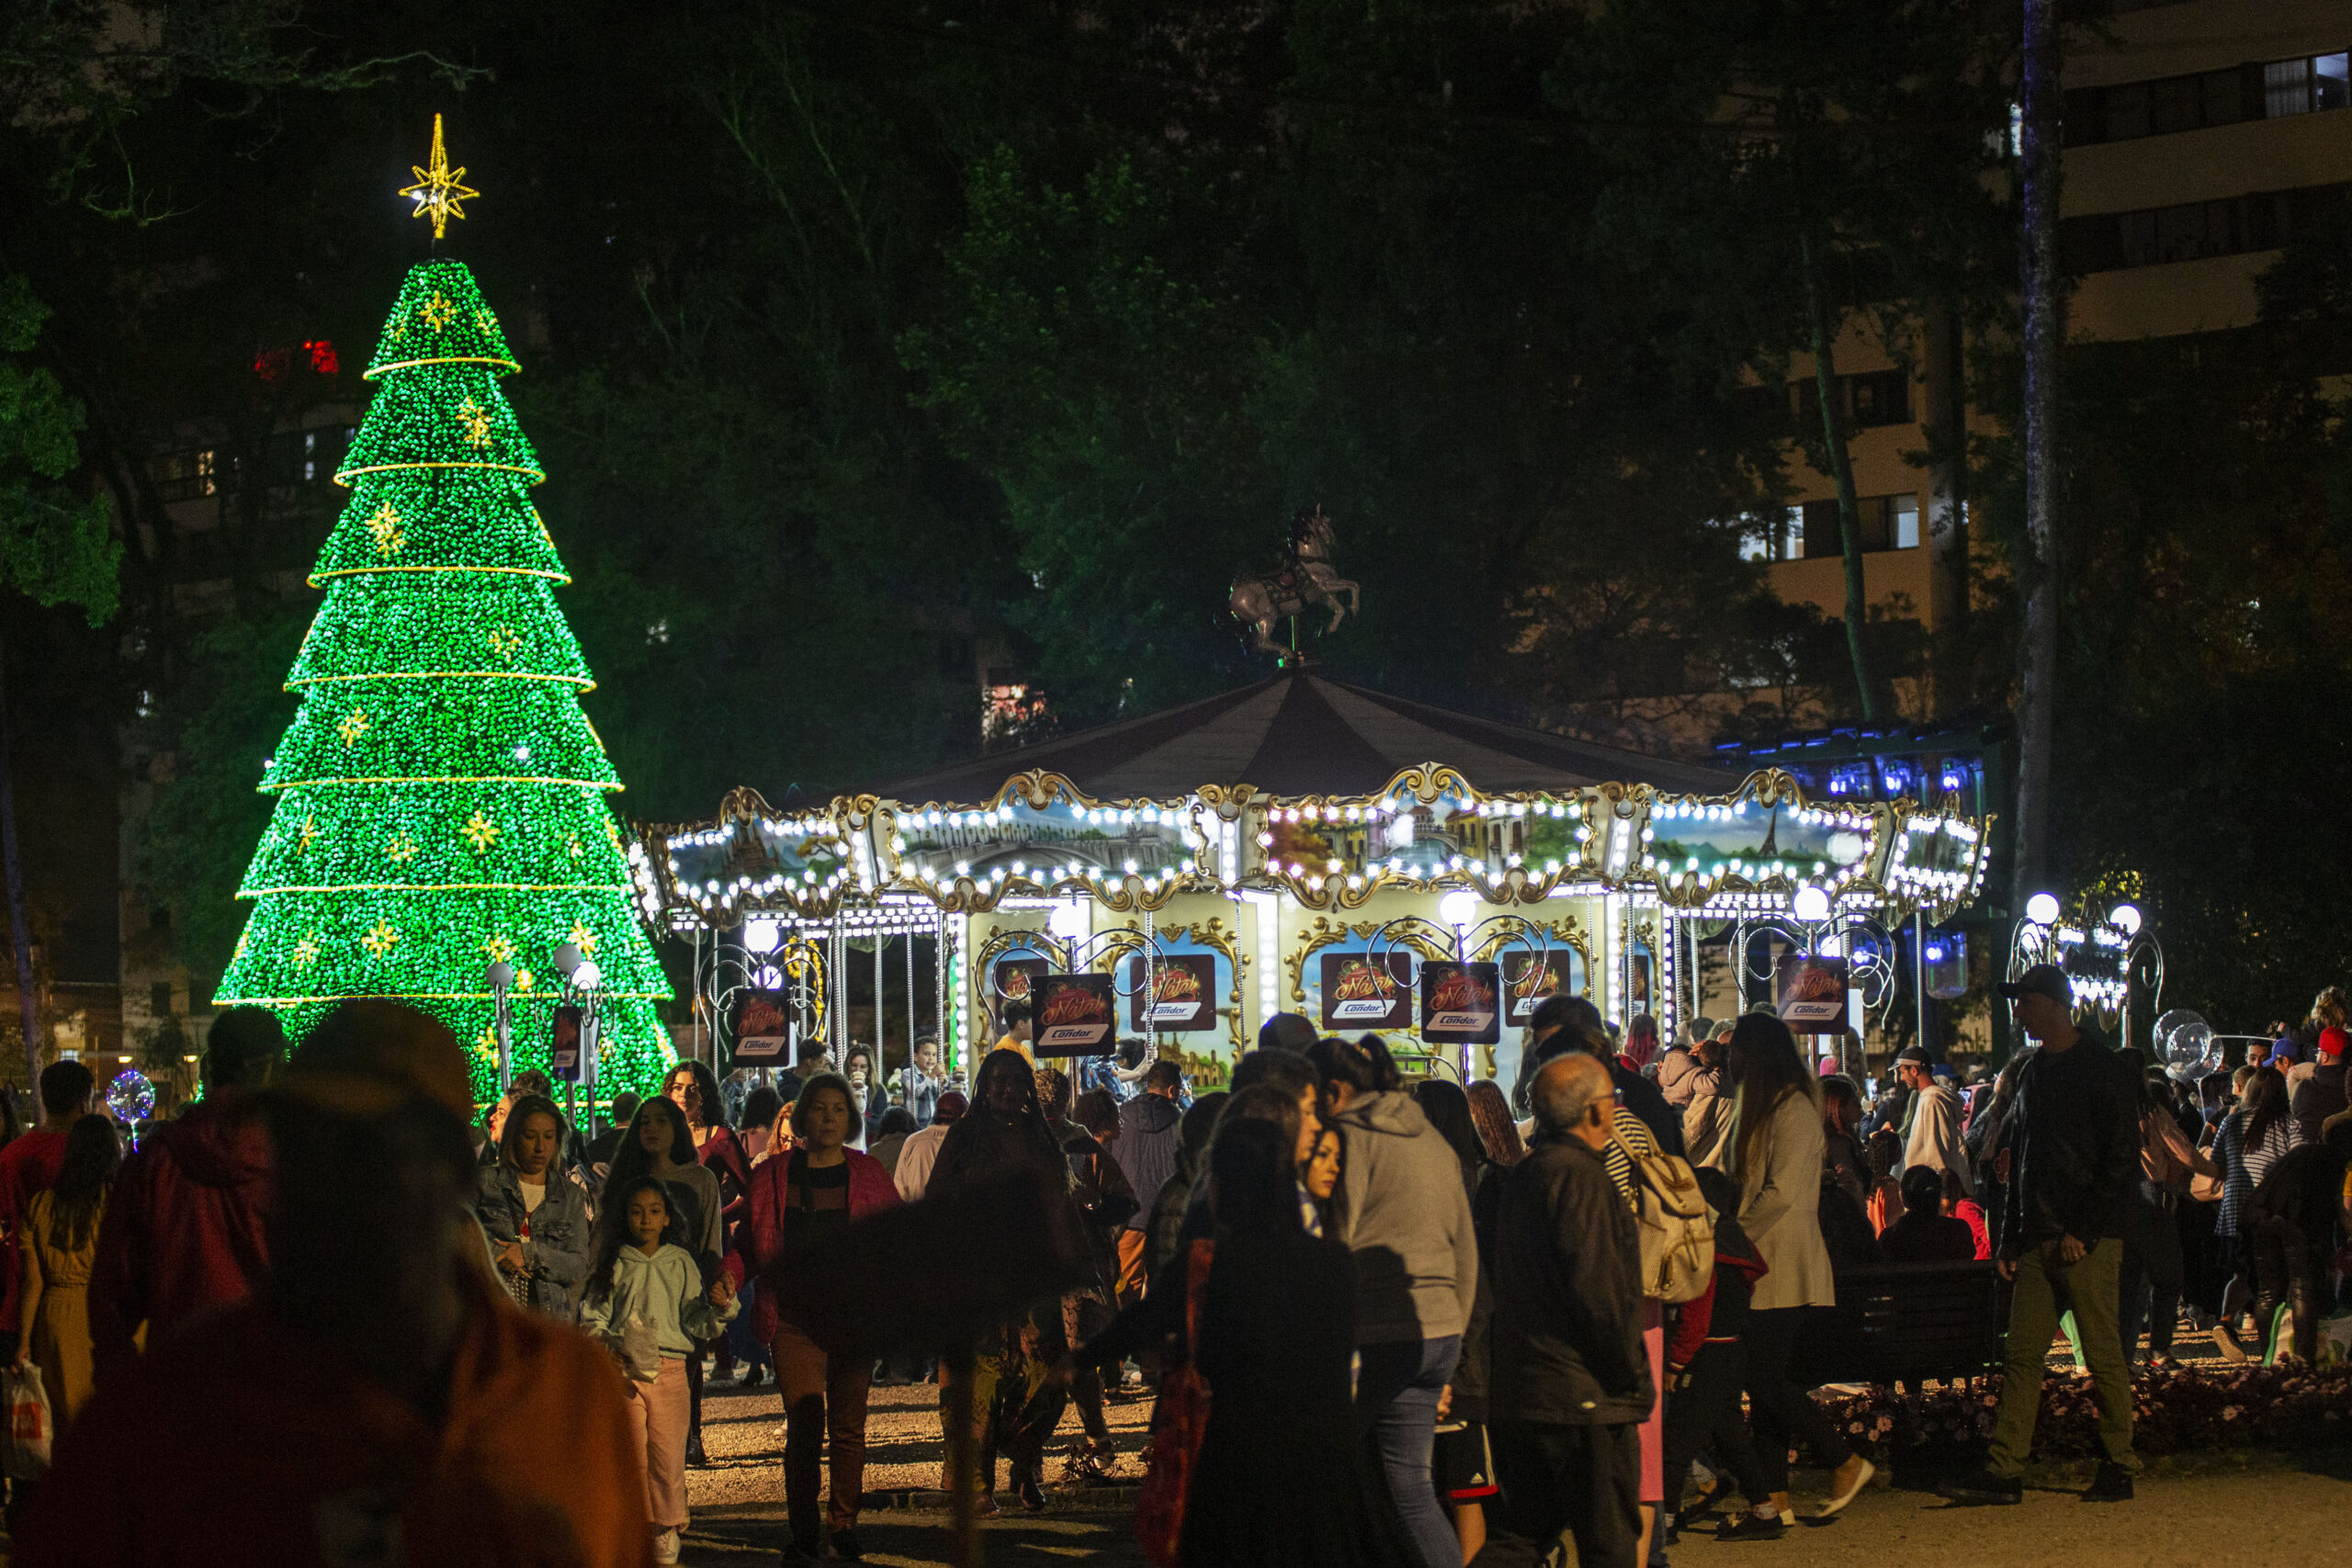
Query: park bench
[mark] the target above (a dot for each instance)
(1907, 1323)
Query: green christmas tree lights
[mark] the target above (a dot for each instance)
(440, 794)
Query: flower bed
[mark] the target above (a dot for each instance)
(2175, 1410)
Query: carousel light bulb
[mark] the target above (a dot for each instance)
(2042, 908)
(1810, 905)
(1458, 907)
(2125, 919)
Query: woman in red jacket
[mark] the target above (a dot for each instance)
(813, 1191)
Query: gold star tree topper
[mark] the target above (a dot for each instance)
(436, 191)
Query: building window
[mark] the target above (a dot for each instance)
(2302, 86)
(2261, 220)
(1885, 522)
(159, 998)
(185, 475)
(1868, 399)
(2207, 99)
(1879, 398)
(1772, 536)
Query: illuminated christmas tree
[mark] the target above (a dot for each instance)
(441, 794)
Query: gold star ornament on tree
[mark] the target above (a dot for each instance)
(436, 191)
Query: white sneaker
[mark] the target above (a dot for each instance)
(665, 1546)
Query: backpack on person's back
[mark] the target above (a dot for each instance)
(1678, 1232)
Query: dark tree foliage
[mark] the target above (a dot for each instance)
(866, 345)
(2205, 688)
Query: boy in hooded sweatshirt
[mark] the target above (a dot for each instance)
(643, 1282)
(1707, 1366)
(1403, 1211)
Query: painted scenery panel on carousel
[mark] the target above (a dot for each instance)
(759, 862)
(2094, 961)
(1348, 847)
(1114, 852)
(1937, 860)
(1176, 993)
(1694, 847)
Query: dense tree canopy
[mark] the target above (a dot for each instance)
(872, 346)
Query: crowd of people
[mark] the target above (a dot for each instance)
(326, 1312)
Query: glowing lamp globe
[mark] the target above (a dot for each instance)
(2042, 908)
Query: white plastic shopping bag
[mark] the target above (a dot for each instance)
(30, 1427)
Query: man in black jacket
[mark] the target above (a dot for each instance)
(2074, 1154)
(1570, 1384)
(1571, 1024)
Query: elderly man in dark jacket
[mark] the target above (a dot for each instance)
(1571, 1385)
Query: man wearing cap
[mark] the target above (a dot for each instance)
(381, 1402)
(2320, 1093)
(2074, 1154)
(1931, 1135)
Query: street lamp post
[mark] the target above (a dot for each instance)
(501, 977)
(582, 988)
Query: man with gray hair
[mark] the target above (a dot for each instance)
(1571, 1381)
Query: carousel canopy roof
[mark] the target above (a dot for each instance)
(1300, 734)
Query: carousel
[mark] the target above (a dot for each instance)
(1299, 845)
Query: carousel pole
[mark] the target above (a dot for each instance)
(1919, 969)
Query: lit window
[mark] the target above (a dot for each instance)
(1906, 521)
(1764, 536)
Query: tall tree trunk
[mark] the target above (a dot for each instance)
(1841, 468)
(2039, 160)
(27, 999)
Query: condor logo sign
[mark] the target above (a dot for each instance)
(1074, 1016)
(1460, 1003)
(1364, 991)
(1181, 994)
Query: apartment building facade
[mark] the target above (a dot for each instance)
(2201, 136)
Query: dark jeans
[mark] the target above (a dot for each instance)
(1702, 1413)
(1585, 1482)
(2289, 1268)
(1780, 1413)
(2150, 1292)
(1397, 1393)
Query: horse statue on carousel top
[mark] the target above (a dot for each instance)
(1259, 599)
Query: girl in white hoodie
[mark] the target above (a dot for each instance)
(646, 1301)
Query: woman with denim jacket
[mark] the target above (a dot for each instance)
(535, 1214)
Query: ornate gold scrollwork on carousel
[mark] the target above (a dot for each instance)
(1211, 933)
(1565, 933)
(1429, 828)
(1000, 941)
(1040, 835)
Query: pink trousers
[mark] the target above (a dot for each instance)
(656, 1417)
